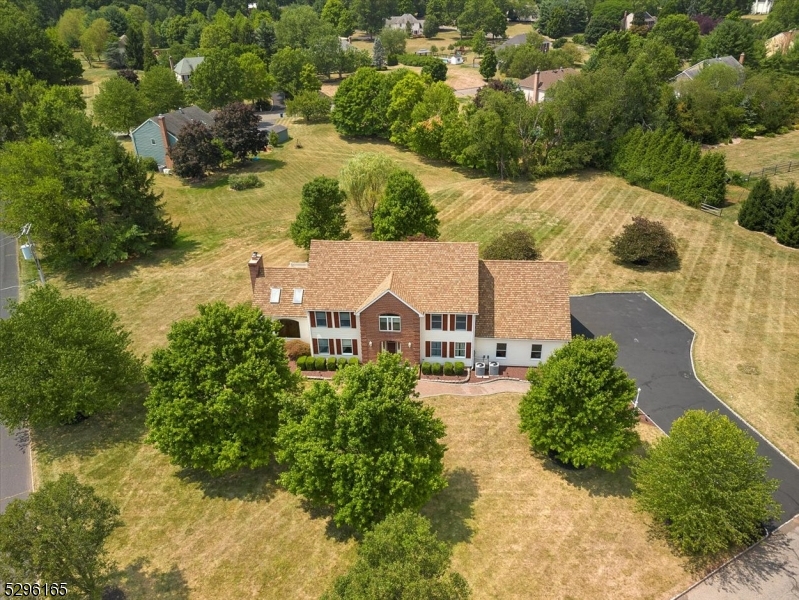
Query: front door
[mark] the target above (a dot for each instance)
(391, 347)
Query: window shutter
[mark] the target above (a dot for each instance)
(469, 350)
(452, 322)
(427, 322)
(354, 324)
(315, 346)
(313, 319)
(354, 344)
(443, 349)
(335, 319)
(427, 349)
(338, 346)
(329, 319)
(444, 322)
(452, 349)
(468, 325)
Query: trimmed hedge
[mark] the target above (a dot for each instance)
(301, 362)
(415, 60)
(459, 368)
(353, 361)
(331, 363)
(448, 368)
(436, 369)
(319, 363)
(244, 182)
(426, 368)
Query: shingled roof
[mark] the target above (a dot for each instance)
(177, 119)
(524, 300)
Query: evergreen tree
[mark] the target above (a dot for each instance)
(788, 228)
(488, 64)
(780, 201)
(753, 213)
(715, 181)
(134, 50)
(148, 59)
(379, 55)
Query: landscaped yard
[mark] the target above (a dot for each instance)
(533, 530)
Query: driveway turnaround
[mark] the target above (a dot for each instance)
(655, 349)
(15, 460)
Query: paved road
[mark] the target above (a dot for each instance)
(654, 348)
(15, 466)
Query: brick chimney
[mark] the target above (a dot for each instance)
(256, 265)
(536, 79)
(165, 139)
(742, 57)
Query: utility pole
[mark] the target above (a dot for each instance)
(29, 250)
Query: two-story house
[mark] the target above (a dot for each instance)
(429, 301)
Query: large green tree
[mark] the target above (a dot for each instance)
(560, 17)
(753, 212)
(579, 406)
(94, 39)
(257, 83)
(298, 25)
(311, 105)
(286, 68)
(118, 105)
(705, 485)
(218, 80)
(60, 358)
(488, 64)
(195, 152)
(401, 558)
(393, 41)
(58, 535)
(482, 15)
(367, 447)
(217, 388)
(236, 126)
(679, 32)
(404, 210)
(160, 91)
(731, 37)
(363, 178)
(322, 213)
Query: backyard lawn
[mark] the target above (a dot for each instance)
(764, 152)
(521, 529)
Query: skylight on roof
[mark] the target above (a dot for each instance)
(298, 295)
(274, 297)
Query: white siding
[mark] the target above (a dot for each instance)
(518, 351)
(336, 333)
(438, 335)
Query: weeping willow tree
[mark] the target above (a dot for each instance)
(363, 179)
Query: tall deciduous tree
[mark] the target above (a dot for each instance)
(236, 126)
(311, 105)
(368, 448)
(705, 485)
(218, 80)
(679, 32)
(118, 105)
(322, 215)
(94, 39)
(364, 178)
(257, 83)
(298, 24)
(160, 91)
(217, 388)
(370, 15)
(579, 406)
(393, 41)
(488, 64)
(62, 357)
(286, 67)
(195, 152)
(402, 557)
(404, 210)
(58, 534)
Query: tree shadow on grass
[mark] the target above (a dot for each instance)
(124, 424)
(137, 581)
(451, 510)
(250, 485)
(592, 479)
(333, 531)
(92, 277)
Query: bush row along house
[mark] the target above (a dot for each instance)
(157, 134)
(429, 301)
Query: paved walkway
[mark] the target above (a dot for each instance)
(655, 349)
(427, 389)
(15, 465)
(769, 571)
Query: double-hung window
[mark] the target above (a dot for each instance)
(535, 351)
(460, 349)
(344, 319)
(324, 346)
(460, 322)
(321, 318)
(435, 349)
(389, 323)
(346, 346)
(502, 350)
(435, 322)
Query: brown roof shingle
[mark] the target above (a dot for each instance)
(524, 300)
(287, 279)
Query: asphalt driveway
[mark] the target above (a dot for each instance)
(655, 349)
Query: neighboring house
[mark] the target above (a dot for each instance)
(692, 71)
(281, 130)
(542, 81)
(344, 43)
(627, 21)
(780, 43)
(156, 135)
(403, 21)
(429, 301)
(520, 39)
(185, 68)
(762, 7)
(453, 60)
